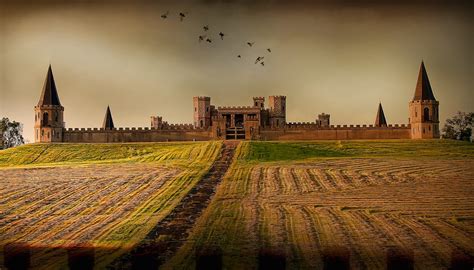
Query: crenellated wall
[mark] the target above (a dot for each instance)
(311, 131)
(178, 132)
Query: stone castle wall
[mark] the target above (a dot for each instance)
(292, 131)
(172, 133)
(310, 131)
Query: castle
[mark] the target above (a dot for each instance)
(254, 122)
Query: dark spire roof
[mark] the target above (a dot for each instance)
(49, 96)
(380, 119)
(423, 88)
(108, 122)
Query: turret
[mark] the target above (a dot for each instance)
(108, 121)
(259, 102)
(49, 121)
(202, 112)
(277, 110)
(380, 120)
(424, 113)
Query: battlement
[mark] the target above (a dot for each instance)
(313, 125)
(203, 98)
(235, 107)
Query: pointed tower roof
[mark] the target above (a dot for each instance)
(49, 95)
(380, 119)
(423, 89)
(108, 122)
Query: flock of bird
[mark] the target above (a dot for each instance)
(206, 37)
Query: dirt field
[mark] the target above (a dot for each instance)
(107, 197)
(291, 203)
(364, 205)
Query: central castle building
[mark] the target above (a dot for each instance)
(253, 122)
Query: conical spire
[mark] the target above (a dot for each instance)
(423, 89)
(108, 122)
(380, 119)
(49, 96)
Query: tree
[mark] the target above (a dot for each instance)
(459, 127)
(11, 133)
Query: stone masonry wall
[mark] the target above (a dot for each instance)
(309, 131)
(135, 135)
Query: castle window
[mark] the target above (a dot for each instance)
(423, 130)
(261, 105)
(201, 123)
(45, 118)
(56, 116)
(256, 104)
(429, 128)
(207, 109)
(36, 118)
(42, 133)
(195, 109)
(48, 135)
(426, 114)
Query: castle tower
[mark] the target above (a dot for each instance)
(259, 102)
(380, 120)
(424, 114)
(277, 109)
(49, 121)
(108, 121)
(202, 112)
(323, 120)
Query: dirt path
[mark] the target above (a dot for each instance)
(170, 233)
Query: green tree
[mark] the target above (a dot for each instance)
(459, 127)
(11, 133)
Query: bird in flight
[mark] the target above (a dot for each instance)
(206, 28)
(222, 35)
(250, 43)
(239, 56)
(201, 38)
(269, 50)
(262, 63)
(260, 58)
(182, 15)
(164, 16)
(209, 40)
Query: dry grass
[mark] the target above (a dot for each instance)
(369, 203)
(109, 200)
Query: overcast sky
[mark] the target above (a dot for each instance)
(335, 58)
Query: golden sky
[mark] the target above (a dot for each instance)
(338, 58)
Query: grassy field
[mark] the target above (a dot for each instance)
(294, 198)
(301, 198)
(105, 195)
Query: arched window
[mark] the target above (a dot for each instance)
(426, 114)
(45, 118)
(201, 123)
(56, 116)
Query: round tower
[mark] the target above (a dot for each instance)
(424, 109)
(49, 121)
